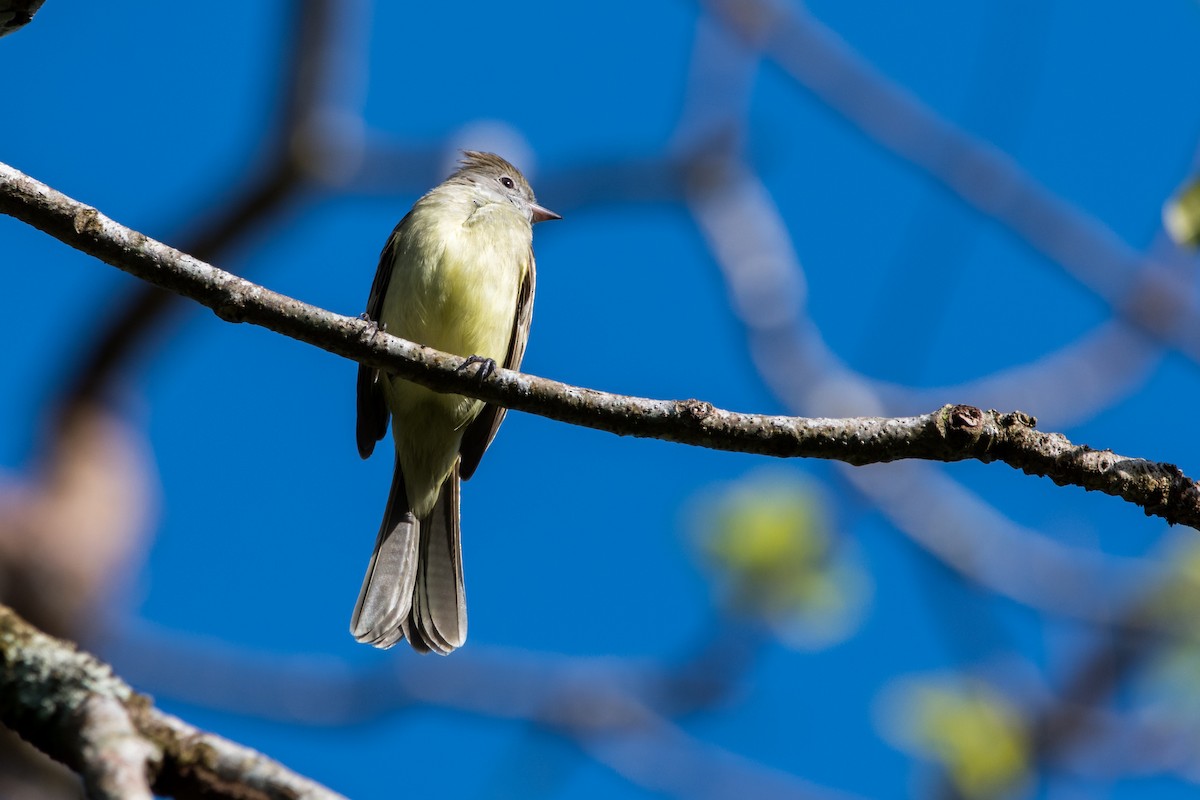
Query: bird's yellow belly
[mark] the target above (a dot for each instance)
(460, 299)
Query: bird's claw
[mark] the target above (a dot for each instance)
(487, 366)
(372, 328)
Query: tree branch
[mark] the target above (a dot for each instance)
(16, 14)
(951, 433)
(71, 707)
(290, 158)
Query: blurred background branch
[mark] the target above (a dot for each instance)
(71, 706)
(1017, 641)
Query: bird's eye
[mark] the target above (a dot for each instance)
(507, 181)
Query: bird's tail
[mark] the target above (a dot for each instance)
(438, 620)
(414, 583)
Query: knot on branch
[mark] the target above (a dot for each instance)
(963, 424)
(1016, 419)
(232, 308)
(86, 221)
(1178, 498)
(694, 410)
(968, 427)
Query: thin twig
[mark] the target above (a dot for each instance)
(951, 433)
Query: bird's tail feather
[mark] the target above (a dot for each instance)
(439, 612)
(414, 584)
(387, 590)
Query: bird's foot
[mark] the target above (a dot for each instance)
(487, 366)
(372, 328)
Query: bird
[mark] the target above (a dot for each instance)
(457, 274)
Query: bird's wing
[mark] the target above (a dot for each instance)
(479, 434)
(372, 410)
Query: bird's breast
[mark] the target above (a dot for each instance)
(455, 282)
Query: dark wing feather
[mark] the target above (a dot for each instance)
(479, 434)
(372, 409)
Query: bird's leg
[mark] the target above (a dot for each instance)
(372, 328)
(487, 366)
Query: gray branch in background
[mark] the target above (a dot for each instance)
(1140, 290)
(951, 433)
(70, 705)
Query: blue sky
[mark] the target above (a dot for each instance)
(578, 543)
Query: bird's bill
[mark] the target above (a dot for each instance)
(542, 214)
